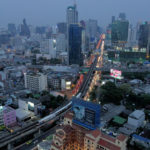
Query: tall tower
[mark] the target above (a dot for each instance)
(75, 45)
(72, 14)
(71, 18)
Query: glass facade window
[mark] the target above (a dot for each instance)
(75, 43)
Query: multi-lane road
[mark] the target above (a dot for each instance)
(33, 128)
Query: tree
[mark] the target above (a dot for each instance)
(126, 89)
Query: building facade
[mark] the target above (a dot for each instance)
(9, 116)
(48, 47)
(144, 38)
(72, 15)
(75, 45)
(1, 116)
(136, 118)
(35, 81)
(119, 32)
(72, 136)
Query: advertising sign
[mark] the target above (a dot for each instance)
(86, 114)
(116, 74)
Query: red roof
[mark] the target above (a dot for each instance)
(121, 137)
(108, 145)
(109, 138)
(95, 133)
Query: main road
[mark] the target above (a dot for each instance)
(36, 126)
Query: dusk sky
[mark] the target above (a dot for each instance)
(49, 12)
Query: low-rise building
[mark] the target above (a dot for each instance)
(9, 116)
(35, 81)
(136, 118)
(29, 105)
(141, 140)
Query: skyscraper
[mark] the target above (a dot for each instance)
(119, 32)
(25, 29)
(91, 28)
(12, 28)
(72, 15)
(75, 44)
(113, 19)
(122, 16)
(144, 38)
(62, 27)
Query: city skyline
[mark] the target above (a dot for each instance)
(51, 12)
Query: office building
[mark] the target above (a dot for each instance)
(75, 45)
(61, 44)
(144, 38)
(72, 15)
(12, 29)
(62, 28)
(91, 28)
(131, 36)
(119, 33)
(122, 16)
(72, 136)
(35, 81)
(113, 19)
(25, 29)
(48, 46)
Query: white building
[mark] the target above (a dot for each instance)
(29, 105)
(136, 118)
(65, 84)
(48, 46)
(61, 44)
(1, 116)
(35, 82)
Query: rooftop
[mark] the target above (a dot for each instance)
(137, 114)
(119, 120)
(108, 145)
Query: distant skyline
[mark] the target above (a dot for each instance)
(50, 12)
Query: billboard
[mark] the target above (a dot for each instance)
(116, 74)
(86, 114)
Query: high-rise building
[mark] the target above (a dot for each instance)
(91, 28)
(61, 43)
(12, 28)
(75, 45)
(113, 19)
(48, 46)
(40, 30)
(35, 81)
(72, 15)
(119, 33)
(62, 28)
(25, 31)
(144, 38)
(132, 36)
(122, 16)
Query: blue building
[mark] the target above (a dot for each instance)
(75, 45)
(86, 114)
